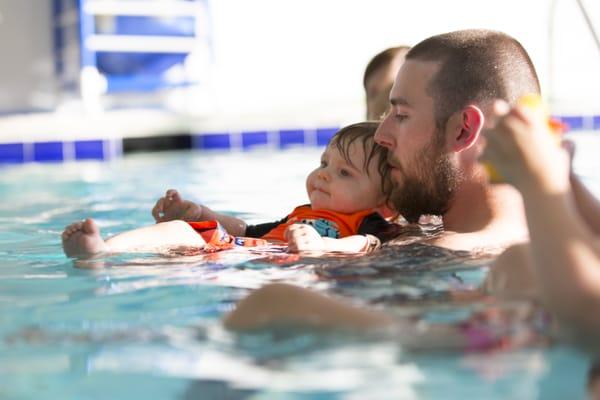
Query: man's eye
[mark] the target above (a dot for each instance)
(384, 114)
(400, 117)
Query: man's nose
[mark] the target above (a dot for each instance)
(381, 136)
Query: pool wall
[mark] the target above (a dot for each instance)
(109, 147)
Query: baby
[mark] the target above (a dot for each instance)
(348, 195)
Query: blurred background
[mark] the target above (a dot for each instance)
(107, 76)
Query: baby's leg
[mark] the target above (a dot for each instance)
(82, 239)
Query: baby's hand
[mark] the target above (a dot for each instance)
(302, 237)
(172, 207)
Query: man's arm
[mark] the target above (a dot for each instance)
(587, 204)
(287, 305)
(566, 257)
(283, 304)
(565, 252)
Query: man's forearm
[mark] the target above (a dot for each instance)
(566, 257)
(588, 205)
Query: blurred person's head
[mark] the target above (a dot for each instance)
(439, 101)
(379, 78)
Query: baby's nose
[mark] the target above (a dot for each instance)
(324, 175)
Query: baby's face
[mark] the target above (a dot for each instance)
(340, 186)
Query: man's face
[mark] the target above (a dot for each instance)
(421, 165)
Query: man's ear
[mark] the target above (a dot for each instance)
(465, 128)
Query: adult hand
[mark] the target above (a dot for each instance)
(302, 237)
(524, 151)
(172, 207)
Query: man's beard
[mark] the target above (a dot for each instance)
(429, 191)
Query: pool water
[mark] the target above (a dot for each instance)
(144, 326)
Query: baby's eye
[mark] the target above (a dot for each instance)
(345, 172)
(323, 164)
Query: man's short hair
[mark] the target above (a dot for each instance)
(382, 59)
(476, 66)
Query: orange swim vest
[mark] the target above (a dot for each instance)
(327, 223)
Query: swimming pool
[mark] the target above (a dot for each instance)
(148, 327)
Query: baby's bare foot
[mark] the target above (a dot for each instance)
(82, 239)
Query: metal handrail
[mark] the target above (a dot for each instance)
(590, 25)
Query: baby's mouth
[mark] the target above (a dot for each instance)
(316, 189)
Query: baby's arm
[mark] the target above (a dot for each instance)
(302, 237)
(173, 207)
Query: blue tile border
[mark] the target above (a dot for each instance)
(574, 122)
(247, 140)
(212, 141)
(292, 137)
(255, 138)
(106, 149)
(48, 151)
(324, 135)
(12, 153)
(89, 150)
(58, 151)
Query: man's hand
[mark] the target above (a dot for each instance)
(302, 237)
(172, 207)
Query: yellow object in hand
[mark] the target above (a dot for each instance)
(533, 102)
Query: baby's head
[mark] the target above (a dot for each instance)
(354, 173)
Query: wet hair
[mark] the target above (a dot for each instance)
(364, 133)
(476, 66)
(382, 59)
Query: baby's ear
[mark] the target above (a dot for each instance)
(386, 212)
